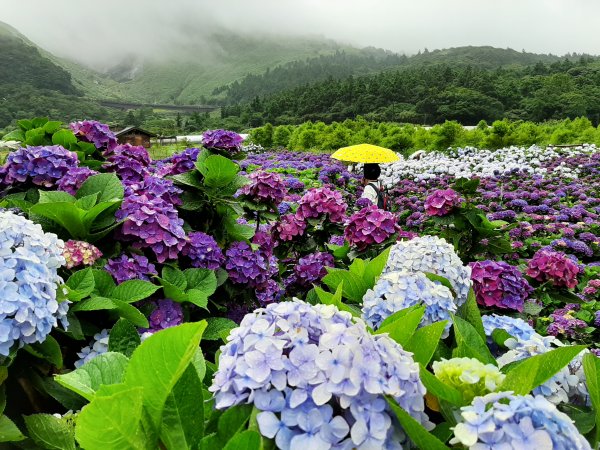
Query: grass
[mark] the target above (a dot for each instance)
(157, 151)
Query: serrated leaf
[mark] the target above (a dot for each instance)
(354, 285)
(175, 277)
(425, 340)
(374, 267)
(204, 280)
(50, 432)
(9, 431)
(107, 185)
(470, 343)
(401, 331)
(81, 284)
(123, 338)
(56, 197)
(171, 291)
(64, 138)
(218, 171)
(87, 202)
(216, 326)
(48, 350)
(103, 282)
(246, 440)
(130, 291)
(197, 297)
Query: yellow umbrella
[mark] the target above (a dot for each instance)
(365, 153)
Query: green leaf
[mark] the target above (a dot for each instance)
(191, 179)
(123, 338)
(171, 291)
(425, 340)
(56, 197)
(591, 368)
(48, 350)
(182, 424)
(16, 135)
(113, 421)
(358, 267)
(466, 185)
(107, 368)
(416, 432)
(124, 309)
(50, 432)
(25, 124)
(470, 312)
(397, 315)
(39, 122)
(52, 126)
(159, 362)
(175, 277)
(9, 431)
(233, 420)
(584, 419)
(499, 336)
(64, 138)
(99, 210)
(197, 297)
(401, 331)
(442, 280)
(374, 267)
(204, 280)
(246, 440)
(469, 343)
(87, 202)
(81, 284)
(236, 231)
(133, 290)
(218, 171)
(536, 370)
(67, 215)
(107, 185)
(103, 281)
(354, 286)
(217, 327)
(440, 389)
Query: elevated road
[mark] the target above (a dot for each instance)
(182, 108)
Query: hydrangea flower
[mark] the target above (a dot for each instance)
(269, 292)
(134, 267)
(312, 268)
(563, 322)
(131, 163)
(289, 227)
(322, 203)
(498, 421)
(337, 240)
(94, 132)
(43, 166)
(177, 163)
(435, 255)
(552, 266)
(74, 178)
(155, 187)
(29, 260)
(247, 266)
(98, 346)
(363, 202)
(166, 314)
(517, 328)
(395, 291)
(80, 252)
(442, 202)
(370, 225)
(318, 378)
(499, 284)
(222, 140)
(469, 376)
(203, 250)
(265, 187)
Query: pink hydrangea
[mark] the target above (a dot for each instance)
(499, 284)
(321, 203)
(77, 253)
(370, 225)
(555, 267)
(265, 187)
(441, 202)
(289, 227)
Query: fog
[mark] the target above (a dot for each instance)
(102, 33)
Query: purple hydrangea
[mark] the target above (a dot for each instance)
(222, 140)
(337, 240)
(322, 203)
(289, 227)
(43, 166)
(441, 202)
(268, 293)
(155, 187)
(177, 163)
(564, 322)
(134, 267)
(265, 187)
(312, 268)
(131, 163)
(370, 225)
(167, 314)
(499, 284)
(556, 267)
(74, 178)
(203, 251)
(363, 202)
(249, 267)
(95, 132)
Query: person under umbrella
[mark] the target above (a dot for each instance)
(372, 185)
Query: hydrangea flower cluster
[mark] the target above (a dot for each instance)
(43, 166)
(289, 227)
(322, 203)
(398, 290)
(80, 252)
(312, 268)
(29, 260)
(265, 187)
(177, 163)
(131, 267)
(318, 378)
(498, 421)
(517, 328)
(95, 132)
(499, 284)
(96, 348)
(131, 163)
(435, 255)
(370, 225)
(269, 292)
(155, 187)
(250, 267)
(442, 202)
(166, 314)
(74, 178)
(563, 322)
(469, 376)
(222, 140)
(555, 267)
(203, 251)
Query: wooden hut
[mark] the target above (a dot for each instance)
(134, 136)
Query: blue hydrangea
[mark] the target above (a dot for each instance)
(395, 291)
(517, 328)
(506, 421)
(98, 346)
(29, 259)
(318, 378)
(435, 255)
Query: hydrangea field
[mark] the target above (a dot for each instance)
(228, 297)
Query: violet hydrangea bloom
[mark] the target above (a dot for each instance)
(265, 187)
(499, 284)
(167, 314)
(312, 267)
(269, 292)
(441, 202)
(222, 140)
(96, 133)
(322, 203)
(134, 267)
(552, 266)
(96, 347)
(369, 226)
(564, 322)
(289, 227)
(131, 163)
(318, 378)
(249, 267)
(203, 251)
(77, 253)
(74, 178)
(29, 260)
(155, 187)
(43, 166)
(177, 163)
(523, 422)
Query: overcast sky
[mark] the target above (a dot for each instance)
(95, 31)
